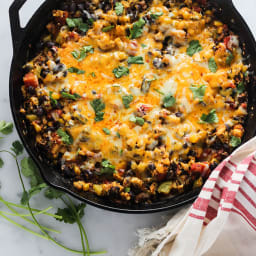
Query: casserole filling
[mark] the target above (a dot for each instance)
(136, 100)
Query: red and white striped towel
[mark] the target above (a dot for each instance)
(222, 221)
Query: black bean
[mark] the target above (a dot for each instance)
(65, 73)
(58, 68)
(31, 90)
(44, 72)
(151, 167)
(64, 6)
(49, 44)
(42, 99)
(157, 62)
(178, 114)
(40, 111)
(81, 6)
(68, 172)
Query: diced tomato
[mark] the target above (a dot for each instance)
(244, 105)
(202, 168)
(203, 2)
(30, 79)
(197, 9)
(226, 41)
(143, 109)
(231, 85)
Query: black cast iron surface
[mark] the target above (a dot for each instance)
(23, 38)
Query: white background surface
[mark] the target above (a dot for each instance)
(106, 230)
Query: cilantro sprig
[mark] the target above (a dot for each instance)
(169, 101)
(79, 24)
(198, 91)
(127, 99)
(121, 71)
(119, 8)
(81, 54)
(135, 60)
(71, 213)
(210, 118)
(194, 47)
(137, 28)
(98, 105)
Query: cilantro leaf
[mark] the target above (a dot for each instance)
(98, 105)
(135, 60)
(107, 167)
(235, 141)
(156, 15)
(17, 148)
(229, 59)
(32, 192)
(198, 91)
(107, 131)
(144, 46)
(29, 170)
(52, 193)
(6, 128)
(119, 8)
(53, 101)
(137, 120)
(121, 71)
(240, 88)
(127, 99)
(65, 138)
(108, 28)
(137, 28)
(210, 118)
(194, 47)
(74, 96)
(158, 91)
(169, 101)
(1, 163)
(212, 65)
(68, 215)
(81, 54)
(77, 22)
(76, 70)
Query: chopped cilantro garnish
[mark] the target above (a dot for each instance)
(65, 138)
(107, 167)
(240, 87)
(74, 96)
(76, 70)
(137, 120)
(210, 118)
(121, 71)
(235, 141)
(108, 28)
(135, 60)
(169, 100)
(107, 131)
(77, 23)
(156, 15)
(212, 65)
(194, 47)
(80, 55)
(198, 91)
(229, 59)
(98, 105)
(137, 28)
(127, 99)
(53, 101)
(119, 8)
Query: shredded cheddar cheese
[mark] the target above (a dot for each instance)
(139, 100)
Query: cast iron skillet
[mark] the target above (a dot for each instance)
(23, 38)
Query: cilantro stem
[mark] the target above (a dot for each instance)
(81, 228)
(22, 227)
(38, 224)
(28, 220)
(26, 215)
(26, 208)
(45, 234)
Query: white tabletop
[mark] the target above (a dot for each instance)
(106, 230)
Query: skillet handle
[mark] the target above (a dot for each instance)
(16, 29)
